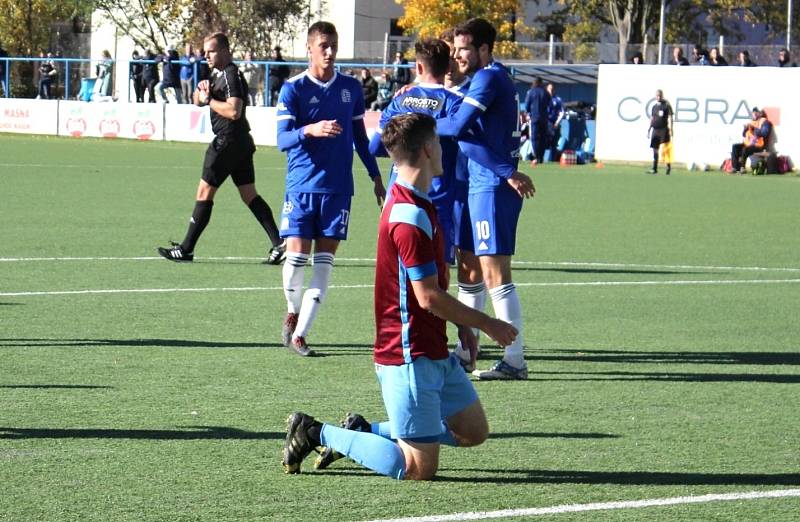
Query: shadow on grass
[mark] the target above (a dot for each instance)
(633, 478)
(187, 433)
(666, 377)
(544, 435)
(340, 348)
(606, 271)
(626, 357)
(10, 304)
(55, 386)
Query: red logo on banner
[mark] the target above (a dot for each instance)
(144, 129)
(109, 128)
(76, 127)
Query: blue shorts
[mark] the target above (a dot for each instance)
(445, 217)
(462, 229)
(311, 215)
(420, 395)
(494, 216)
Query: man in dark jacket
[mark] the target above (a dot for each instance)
(150, 75)
(537, 105)
(136, 72)
(171, 72)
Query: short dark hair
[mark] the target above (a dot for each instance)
(221, 38)
(481, 30)
(321, 27)
(405, 135)
(434, 55)
(448, 35)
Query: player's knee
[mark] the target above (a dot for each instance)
(421, 470)
(474, 436)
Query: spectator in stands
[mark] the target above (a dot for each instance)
(3, 66)
(385, 92)
(744, 59)
(678, 58)
(700, 55)
(402, 75)
(756, 139)
(369, 86)
(135, 73)
(784, 58)
(660, 130)
(537, 105)
(252, 76)
(203, 72)
(637, 58)
(150, 75)
(47, 74)
(277, 75)
(187, 74)
(170, 75)
(555, 114)
(715, 58)
(104, 71)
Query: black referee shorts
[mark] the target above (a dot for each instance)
(659, 136)
(230, 156)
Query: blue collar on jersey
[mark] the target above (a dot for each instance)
(413, 189)
(322, 84)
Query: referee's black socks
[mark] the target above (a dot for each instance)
(263, 214)
(200, 218)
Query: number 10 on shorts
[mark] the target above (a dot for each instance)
(482, 230)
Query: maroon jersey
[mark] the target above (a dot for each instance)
(410, 248)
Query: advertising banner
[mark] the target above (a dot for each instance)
(185, 122)
(264, 125)
(143, 121)
(28, 116)
(711, 105)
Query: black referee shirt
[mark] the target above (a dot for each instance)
(229, 83)
(659, 116)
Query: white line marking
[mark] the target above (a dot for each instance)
(372, 260)
(600, 506)
(114, 167)
(271, 288)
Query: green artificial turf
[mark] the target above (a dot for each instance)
(660, 324)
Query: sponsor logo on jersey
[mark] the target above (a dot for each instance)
(346, 96)
(414, 102)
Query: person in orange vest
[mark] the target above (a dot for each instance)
(756, 136)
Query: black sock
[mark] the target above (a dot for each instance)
(655, 160)
(200, 218)
(263, 214)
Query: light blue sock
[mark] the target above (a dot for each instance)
(382, 429)
(368, 449)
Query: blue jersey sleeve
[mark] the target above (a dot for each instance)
(480, 95)
(360, 140)
(485, 156)
(376, 147)
(288, 135)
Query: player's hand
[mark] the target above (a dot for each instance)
(402, 90)
(469, 342)
(380, 192)
(502, 332)
(522, 184)
(202, 86)
(324, 129)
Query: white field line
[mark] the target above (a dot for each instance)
(601, 506)
(372, 260)
(275, 288)
(115, 167)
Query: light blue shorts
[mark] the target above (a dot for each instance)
(420, 395)
(312, 215)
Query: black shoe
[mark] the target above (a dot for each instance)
(276, 255)
(175, 253)
(298, 443)
(669, 169)
(351, 421)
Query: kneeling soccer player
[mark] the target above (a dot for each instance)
(428, 397)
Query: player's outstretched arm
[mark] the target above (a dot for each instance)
(440, 303)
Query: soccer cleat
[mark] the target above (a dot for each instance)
(300, 347)
(502, 371)
(669, 170)
(175, 253)
(298, 444)
(276, 254)
(289, 324)
(652, 171)
(351, 421)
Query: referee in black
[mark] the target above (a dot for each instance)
(660, 130)
(230, 154)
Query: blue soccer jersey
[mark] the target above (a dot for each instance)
(322, 165)
(435, 101)
(492, 103)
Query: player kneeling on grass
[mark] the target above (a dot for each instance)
(428, 397)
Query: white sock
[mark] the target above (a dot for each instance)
(315, 293)
(474, 296)
(507, 308)
(294, 269)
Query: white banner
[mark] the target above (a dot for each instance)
(28, 116)
(185, 122)
(144, 121)
(711, 106)
(264, 125)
